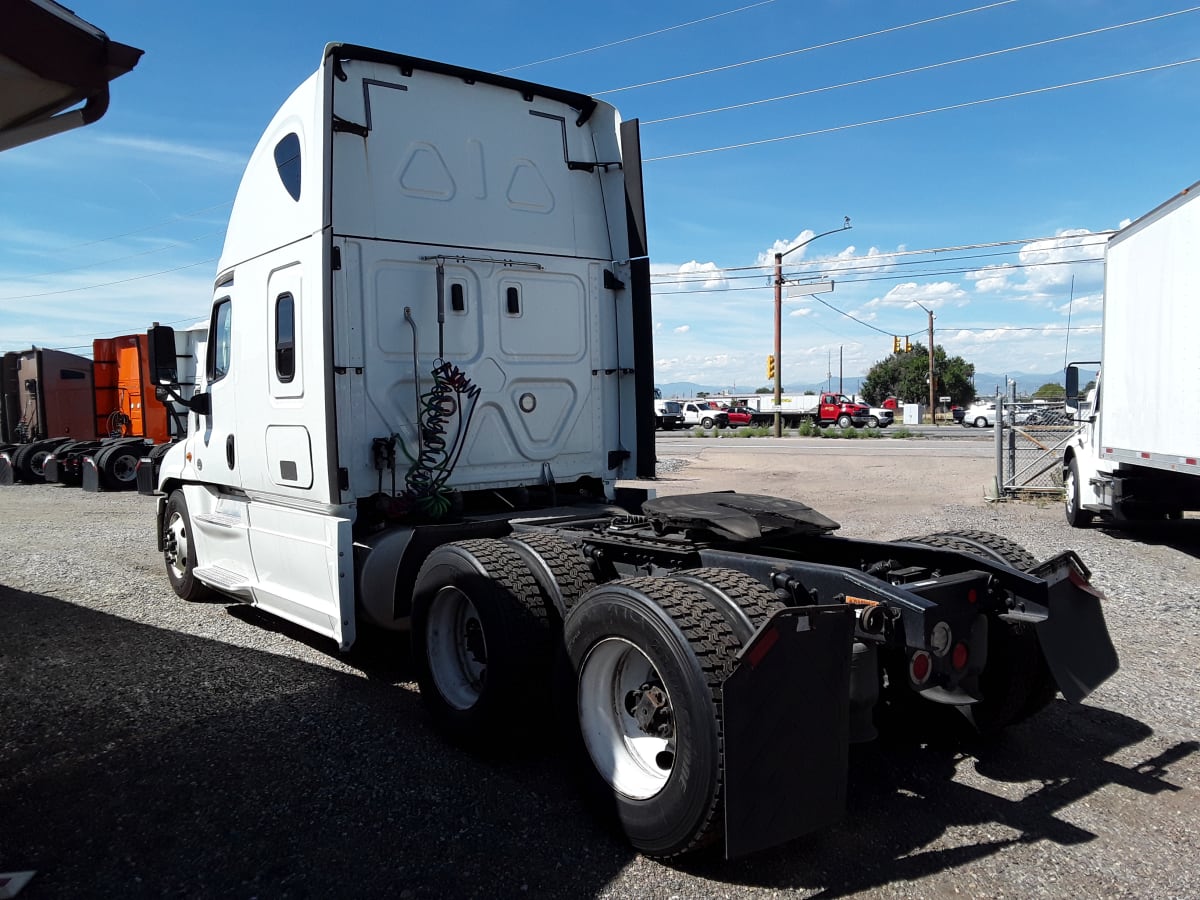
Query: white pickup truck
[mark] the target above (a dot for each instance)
(704, 414)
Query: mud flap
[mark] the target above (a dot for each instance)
(90, 475)
(6, 470)
(1074, 636)
(787, 711)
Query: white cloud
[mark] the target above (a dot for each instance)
(932, 295)
(154, 148)
(683, 329)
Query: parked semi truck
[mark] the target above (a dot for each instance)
(818, 409)
(426, 396)
(72, 420)
(1136, 457)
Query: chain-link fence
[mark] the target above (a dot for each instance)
(1030, 438)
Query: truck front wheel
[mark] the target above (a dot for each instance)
(706, 422)
(480, 638)
(844, 421)
(179, 553)
(1077, 516)
(648, 656)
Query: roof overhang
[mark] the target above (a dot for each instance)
(51, 61)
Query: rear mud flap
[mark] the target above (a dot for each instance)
(1074, 636)
(90, 475)
(6, 470)
(787, 710)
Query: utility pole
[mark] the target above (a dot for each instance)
(779, 320)
(841, 389)
(932, 417)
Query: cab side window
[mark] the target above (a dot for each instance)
(220, 340)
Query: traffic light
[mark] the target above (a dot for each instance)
(770, 365)
(907, 345)
(895, 344)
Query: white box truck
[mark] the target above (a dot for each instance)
(429, 369)
(1136, 456)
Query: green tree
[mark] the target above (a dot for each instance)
(1050, 391)
(764, 390)
(906, 377)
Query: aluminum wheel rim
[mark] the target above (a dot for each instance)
(177, 546)
(457, 648)
(1070, 490)
(635, 764)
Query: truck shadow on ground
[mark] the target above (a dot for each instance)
(1182, 535)
(137, 761)
(904, 800)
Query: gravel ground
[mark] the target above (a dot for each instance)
(152, 747)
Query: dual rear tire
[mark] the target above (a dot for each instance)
(639, 673)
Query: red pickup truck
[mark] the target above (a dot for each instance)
(820, 409)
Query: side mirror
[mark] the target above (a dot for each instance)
(162, 355)
(1072, 380)
(200, 403)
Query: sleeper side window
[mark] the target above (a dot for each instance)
(287, 162)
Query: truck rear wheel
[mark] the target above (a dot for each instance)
(744, 601)
(648, 657)
(480, 638)
(1016, 683)
(118, 466)
(559, 566)
(179, 553)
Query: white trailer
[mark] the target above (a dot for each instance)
(428, 366)
(1137, 453)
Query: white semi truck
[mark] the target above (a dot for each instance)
(1136, 456)
(428, 386)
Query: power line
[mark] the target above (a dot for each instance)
(786, 53)
(105, 262)
(925, 112)
(835, 266)
(869, 266)
(637, 37)
(901, 276)
(170, 221)
(926, 68)
(108, 283)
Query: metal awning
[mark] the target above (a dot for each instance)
(51, 61)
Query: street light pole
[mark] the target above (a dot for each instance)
(779, 319)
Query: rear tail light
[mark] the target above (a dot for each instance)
(920, 667)
(960, 656)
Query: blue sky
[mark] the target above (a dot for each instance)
(108, 228)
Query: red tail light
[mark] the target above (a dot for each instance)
(919, 667)
(960, 656)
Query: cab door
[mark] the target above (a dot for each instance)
(217, 448)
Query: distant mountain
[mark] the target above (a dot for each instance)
(691, 389)
(988, 383)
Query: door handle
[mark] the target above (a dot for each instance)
(229, 451)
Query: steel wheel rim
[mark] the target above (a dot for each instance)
(456, 646)
(1070, 486)
(634, 764)
(177, 545)
(125, 468)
